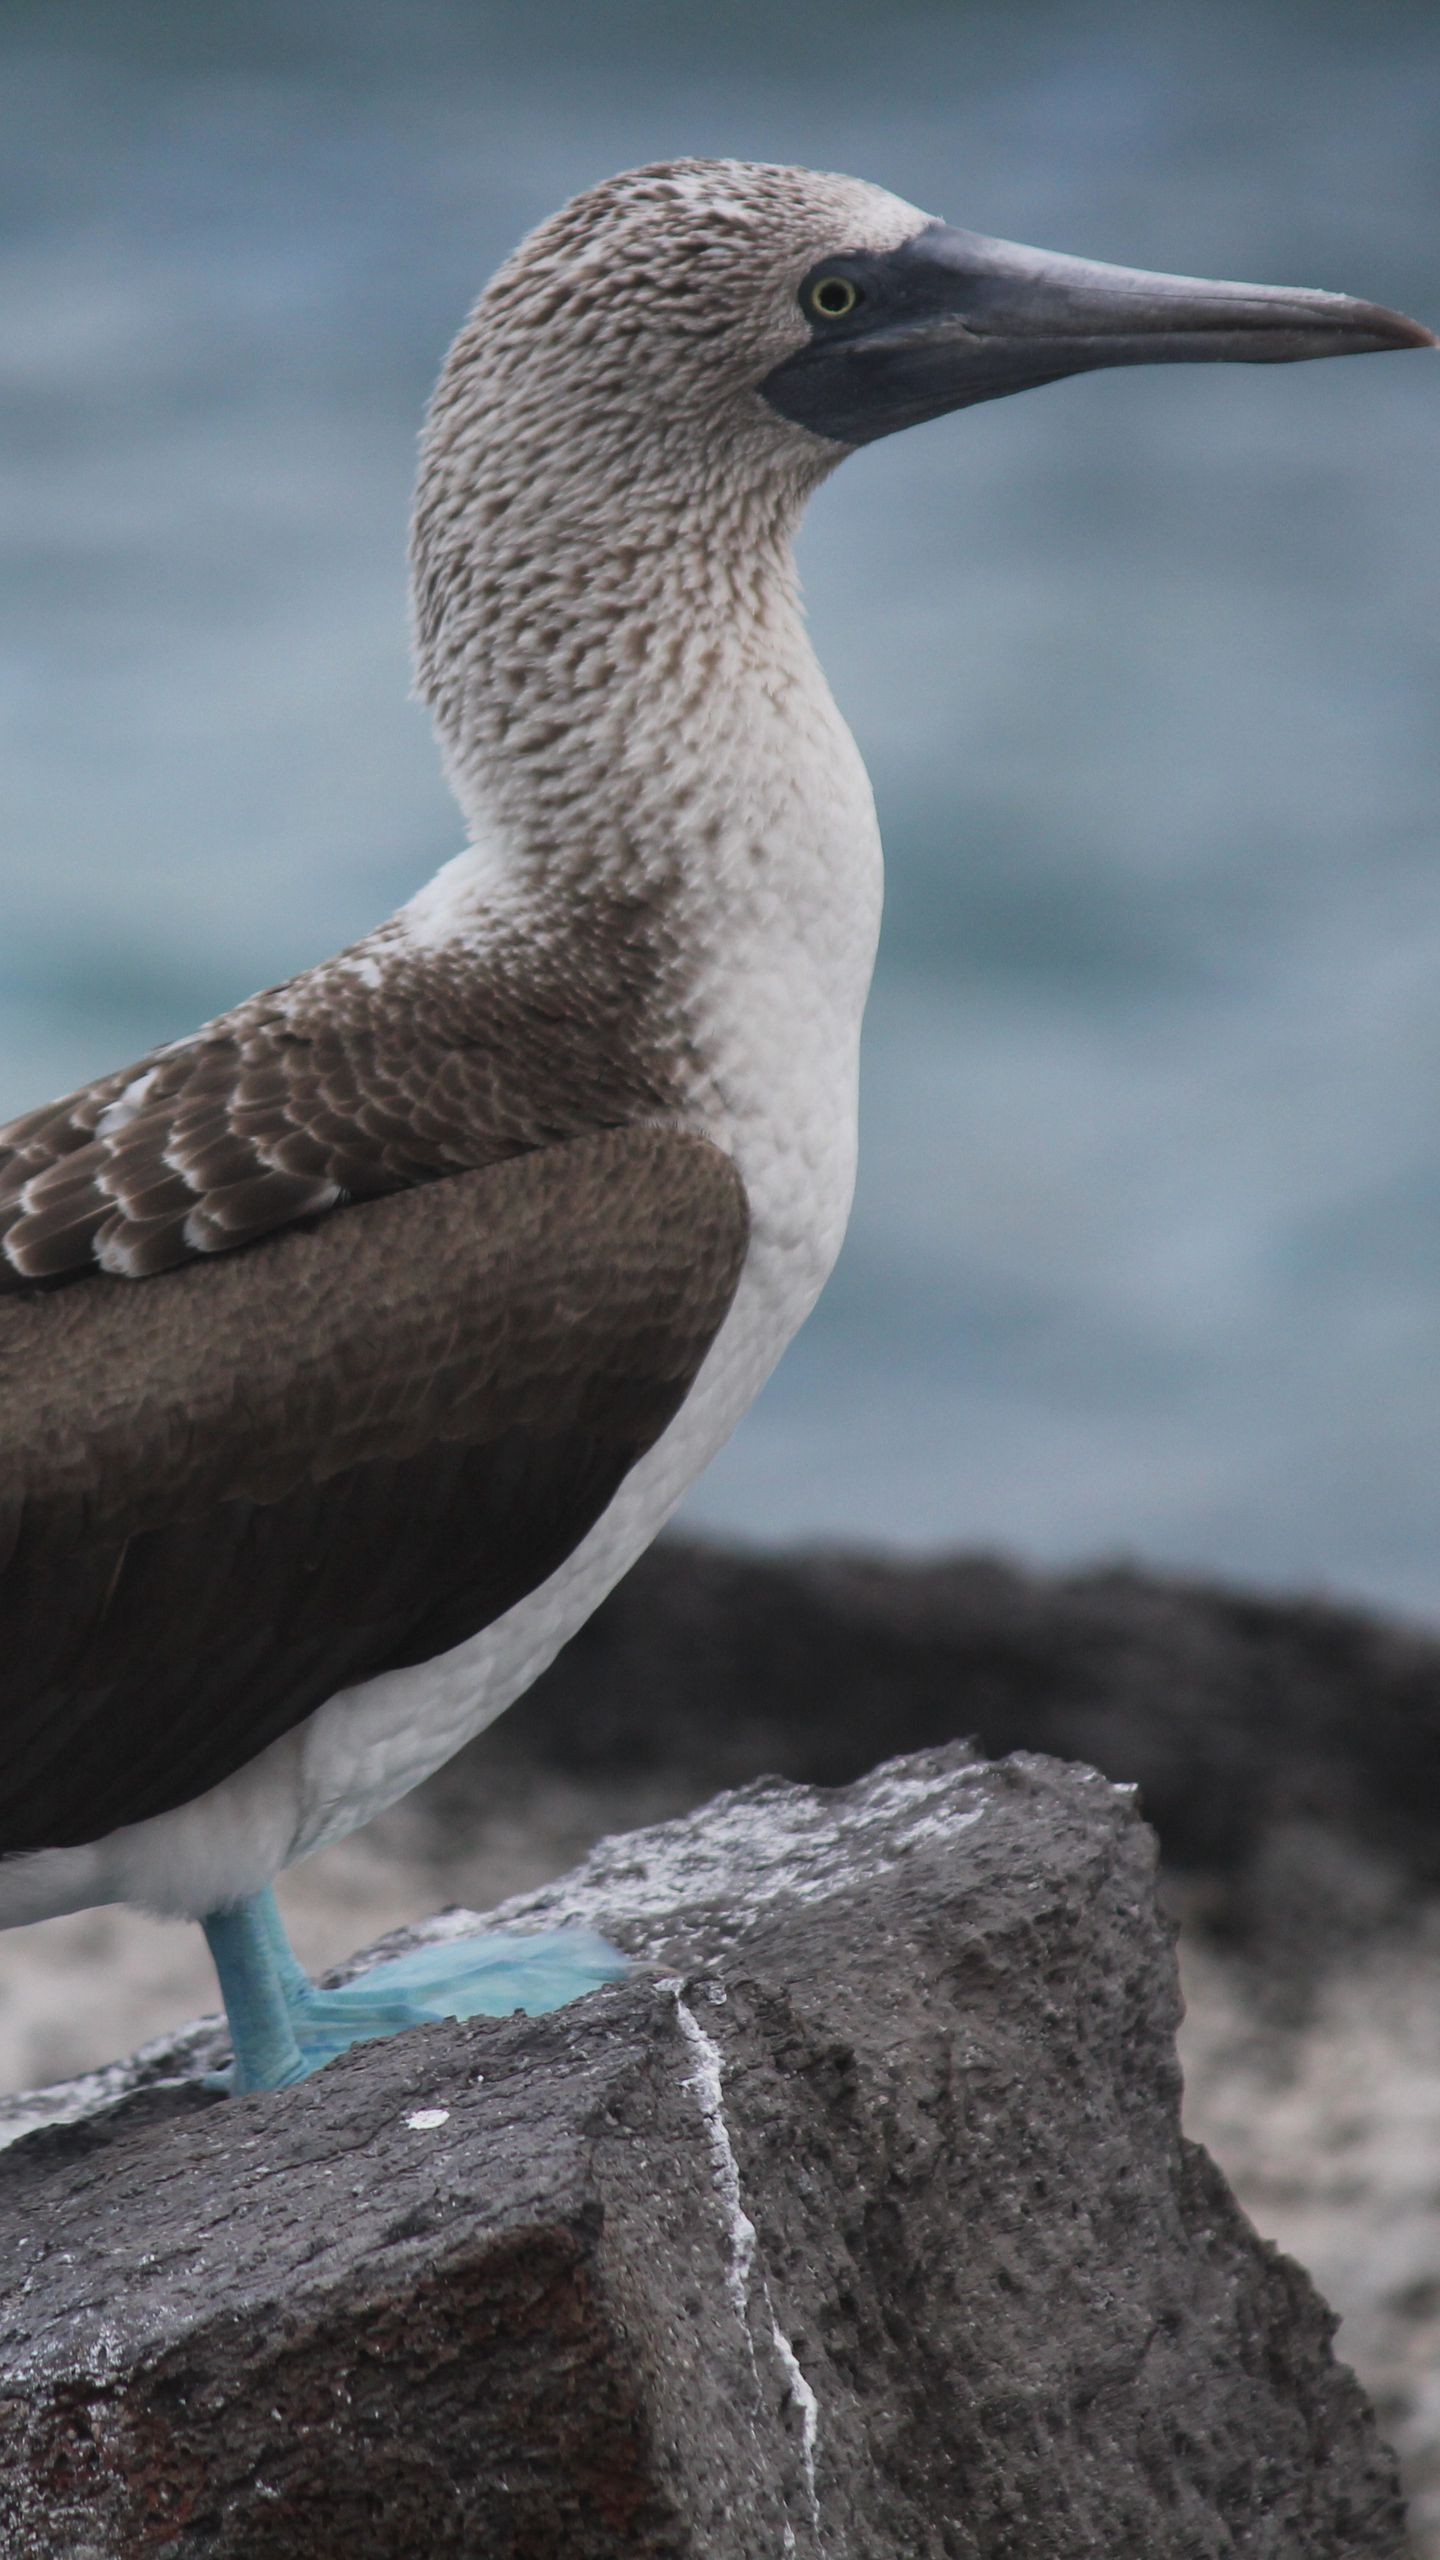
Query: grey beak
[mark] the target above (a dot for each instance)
(953, 318)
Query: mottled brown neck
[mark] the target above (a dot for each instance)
(582, 686)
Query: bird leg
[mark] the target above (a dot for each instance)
(283, 2026)
(257, 1996)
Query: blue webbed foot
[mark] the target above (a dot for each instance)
(283, 2026)
(480, 1977)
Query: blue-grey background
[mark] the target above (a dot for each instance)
(1146, 1256)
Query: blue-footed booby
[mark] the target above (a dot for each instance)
(354, 1345)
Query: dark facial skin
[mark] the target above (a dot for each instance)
(952, 318)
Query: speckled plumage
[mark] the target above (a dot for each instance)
(667, 913)
(395, 1065)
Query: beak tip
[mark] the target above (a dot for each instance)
(1392, 329)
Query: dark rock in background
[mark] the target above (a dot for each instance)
(1238, 1716)
(868, 2230)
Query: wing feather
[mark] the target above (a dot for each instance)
(228, 1495)
(210, 1144)
(388, 1067)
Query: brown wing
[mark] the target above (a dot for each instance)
(246, 1127)
(229, 1494)
(384, 1068)
(198, 1148)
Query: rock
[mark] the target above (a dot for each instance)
(1287, 1748)
(863, 2228)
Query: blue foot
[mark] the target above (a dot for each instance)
(283, 2027)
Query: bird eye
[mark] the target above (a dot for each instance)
(833, 297)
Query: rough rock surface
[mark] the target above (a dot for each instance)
(863, 2228)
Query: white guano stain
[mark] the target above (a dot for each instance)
(428, 2119)
(709, 2089)
(708, 2084)
(809, 2408)
(747, 1851)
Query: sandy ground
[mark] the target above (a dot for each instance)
(1323, 2108)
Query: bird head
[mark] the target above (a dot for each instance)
(697, 310)
(651, 386)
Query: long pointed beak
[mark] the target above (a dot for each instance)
(953, 318)
(1026, 298)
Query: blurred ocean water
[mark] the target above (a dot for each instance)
(1146, 1254)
